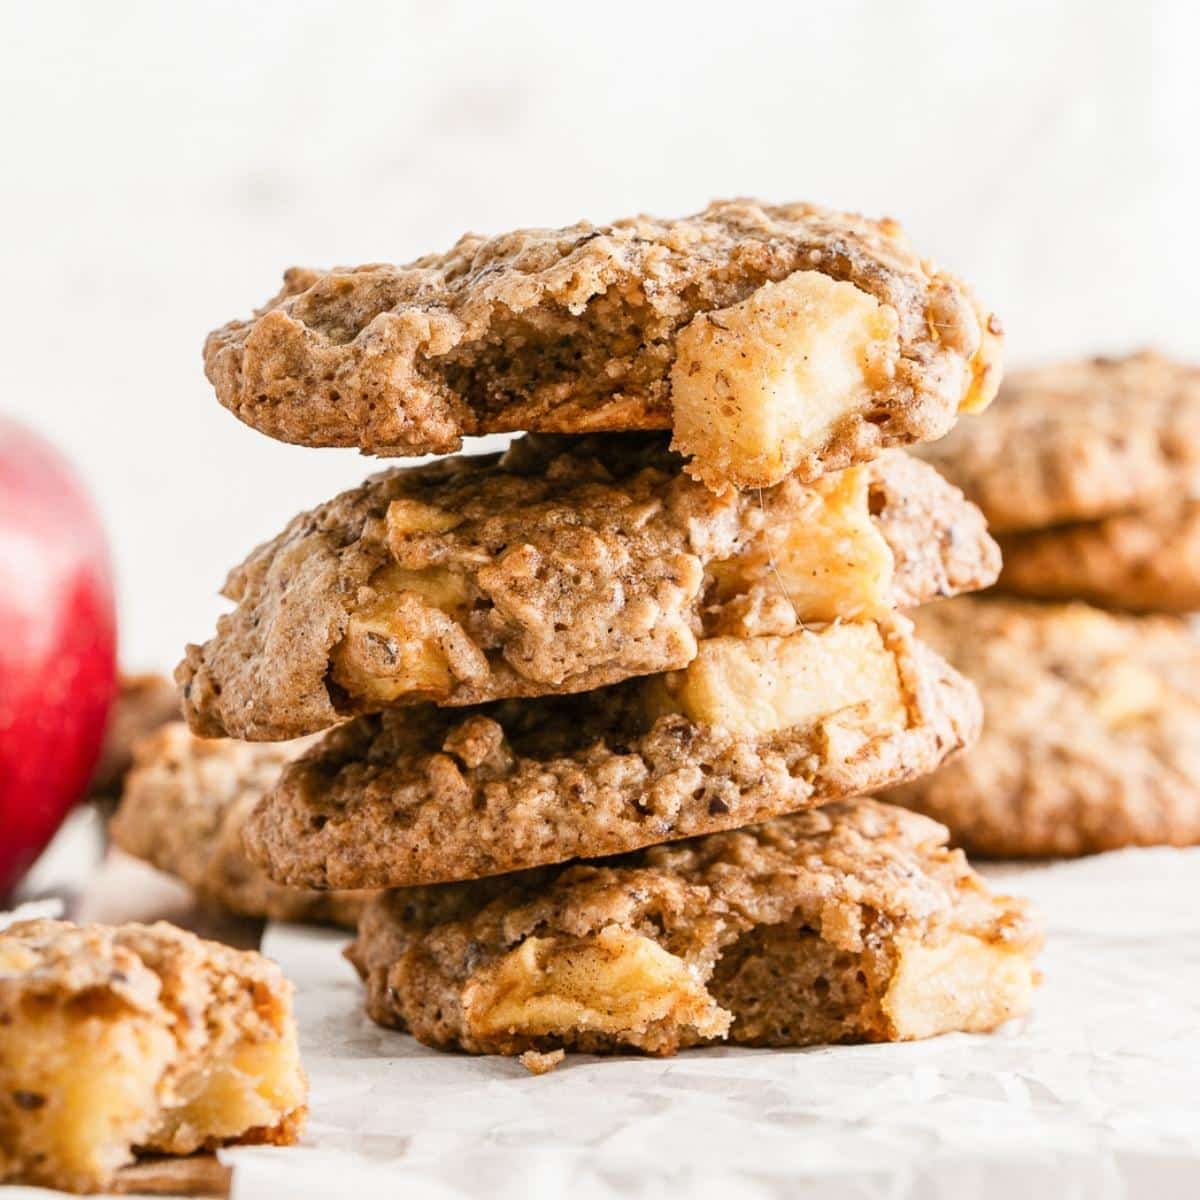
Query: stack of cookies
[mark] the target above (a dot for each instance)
(1090, 473)
(662, 630)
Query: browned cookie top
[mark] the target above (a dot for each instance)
(859, 875)
(563, 565)
(749, 730)
(577, 330)
(1080, 440)
(1146, 560)
(183, 809)
(1092, 732)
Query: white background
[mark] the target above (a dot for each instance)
(162, 163)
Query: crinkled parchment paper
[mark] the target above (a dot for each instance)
(1096, 1095)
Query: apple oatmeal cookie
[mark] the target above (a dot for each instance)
(773, 340)
(749, 730)
(850, 923)
(1146, 560)
(1092, 737)
(185, 803)
(560, 566)
(1078, 441)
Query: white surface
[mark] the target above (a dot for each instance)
(164, 162)
(1095, 1095)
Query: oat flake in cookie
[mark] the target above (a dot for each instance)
(850, 923)
(772, 339)
(1092, 734)
(563, 565)
(751, 729)
(183, 809)
(137, 1038)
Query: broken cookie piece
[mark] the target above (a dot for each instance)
(750, 729)
(775, 340)
(560, 566)
(185, 803)
(850, 923)
(117, 1040)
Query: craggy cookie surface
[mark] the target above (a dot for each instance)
(751, 729)
(561, 566)
(850, 923)
(772, 339)
(1079, 441)
(1091, 737)
(1147, 560)
(183, 809)
(137, 1037)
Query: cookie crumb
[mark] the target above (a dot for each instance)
(537, 1063)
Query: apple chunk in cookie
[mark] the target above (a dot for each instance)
(115, 1040)
(759, 387)
(560, 566)
(850, 923)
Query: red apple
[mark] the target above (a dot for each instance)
(57, 645)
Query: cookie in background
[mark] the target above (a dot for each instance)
(1089, 475)
(143, 703)
(1089, 472)
(185, 803)
(1091, 732)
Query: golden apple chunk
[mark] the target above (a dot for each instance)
(760, 685)
(760, 386)
(615, 982)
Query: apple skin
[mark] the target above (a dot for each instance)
(57, 646)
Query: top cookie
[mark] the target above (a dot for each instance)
(563, 565)
(1078, 441)
(774, 340)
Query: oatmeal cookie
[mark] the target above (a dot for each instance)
(1079, 441)
(1142, 561)
(1092, 734)
(561, 566)
(749, 730)
(183, 809)
(773, 340)
(137, 1038)
(143, 703)
(850, 923)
